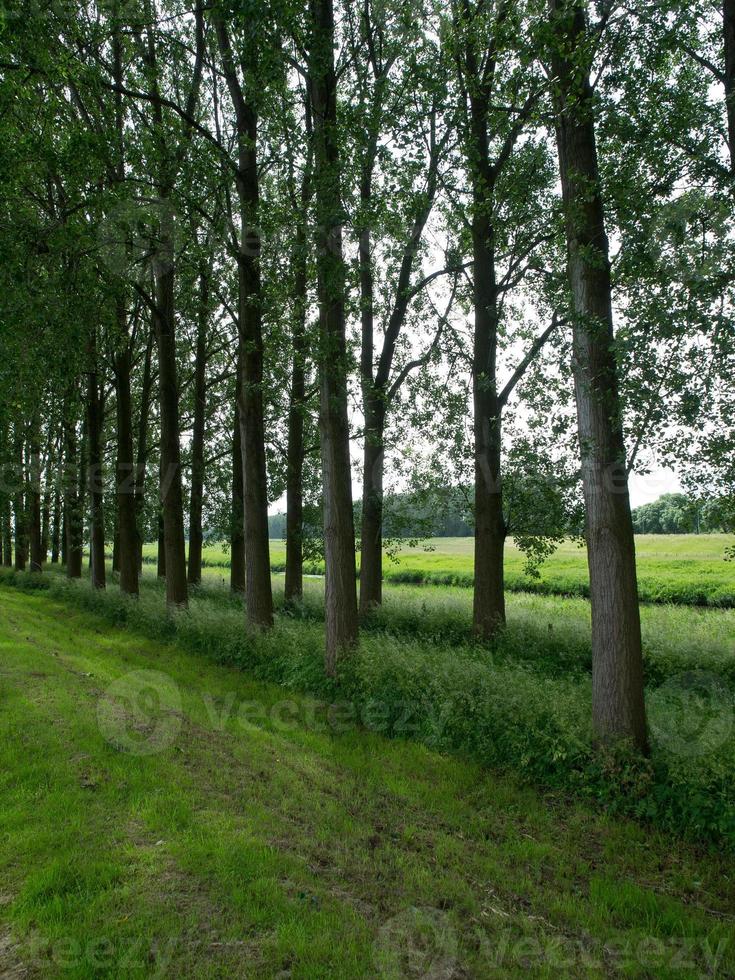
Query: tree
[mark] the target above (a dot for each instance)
(617, 662)
(339, 530)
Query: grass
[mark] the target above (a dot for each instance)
(687, 569)
(275, 847)
(522, 705)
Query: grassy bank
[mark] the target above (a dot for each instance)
(522, 706)
(258, 842)
(687, 569)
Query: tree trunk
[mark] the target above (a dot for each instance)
(7, 535)
(371, 539)
(237, 530)
(45, 523)
(126, 537)
(56, 534)
(168, 390)
(34, 506)
(142, 454)
(728, 23)
(197, 441)
(294, 585)
(258, 593)
(64, 534)
(19, 509)
(95, 412)
(488, 611)
(617, 666)
(161, 549)
(74, 523)
(339, 529)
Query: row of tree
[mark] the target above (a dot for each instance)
(238, 240)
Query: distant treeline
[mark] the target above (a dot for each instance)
(408, 515)
(449, 515)
(676, 513)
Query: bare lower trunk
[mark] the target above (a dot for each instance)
(126, 532)
(116, 549)
(161, 548)
(197, 441)
(171, 491)
(7, 535)
(142, 450)
(237, 529)
(339, 529)
(73, 523)
(95, 411)
(488, 610)
(371, 539)
(258, 595)
(19, 509)
(45, 524)
(56, 533)
(35, 531)
(294, 585)
(617, 666)
(64, 535)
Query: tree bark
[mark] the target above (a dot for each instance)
(728, 24)
(126, 531)
(488, 611)
(74, 522)
(197, 442)
(45, 523)
(617, 666)
(95, 413)
(57, 520)
(294, 584)
(19, 508)
(237, 529)
(168, 391)
(258, 593)
(371, 538)
(339, 530)
(142, 453)
(161, 550)
(34, 495)
(7, 535)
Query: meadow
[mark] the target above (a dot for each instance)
(679, 568)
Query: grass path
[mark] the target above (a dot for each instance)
(254, 844)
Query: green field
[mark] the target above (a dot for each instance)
(264, 843)
(681, 568)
